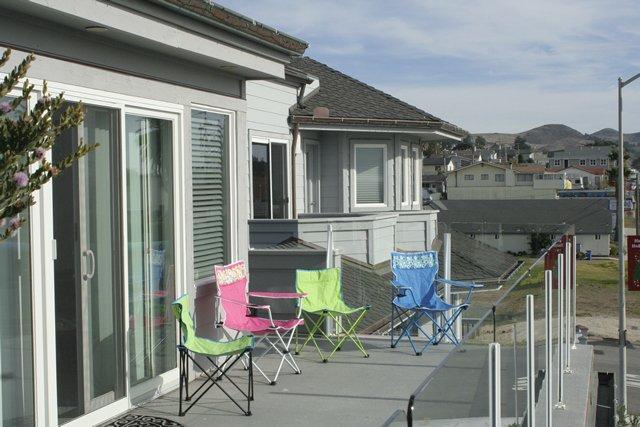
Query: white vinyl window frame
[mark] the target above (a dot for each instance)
(230, 157)
(385, 175)
(405, 168)
(46, 371)
(417, 176)
(268, 142)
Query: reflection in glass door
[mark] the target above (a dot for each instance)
(16, 338)
(152, 334)
(269, 180)
(88, 295)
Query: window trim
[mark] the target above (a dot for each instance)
(417, 179)
(404, 164)
(469, 177)
(484, 177)
(385, 178)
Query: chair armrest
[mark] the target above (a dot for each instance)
(278, 295)
(406, 288)
(244, 304)
(466, 285)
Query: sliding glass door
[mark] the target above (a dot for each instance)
(149, 195)
(88, 284)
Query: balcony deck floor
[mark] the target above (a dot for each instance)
(349, 390)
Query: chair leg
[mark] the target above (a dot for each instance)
(392, 322)
(350, 334)
(250, 384)
(181, 378)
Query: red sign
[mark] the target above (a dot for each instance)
(551, 259)
(633, 263)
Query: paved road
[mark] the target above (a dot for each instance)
(606, 360)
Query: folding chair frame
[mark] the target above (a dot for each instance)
(285, 353)
(349, 333)
(219, 372)
(411, 321)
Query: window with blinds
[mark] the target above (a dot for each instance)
(369, 169)
(208, 166)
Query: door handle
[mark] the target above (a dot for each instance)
(90, 255)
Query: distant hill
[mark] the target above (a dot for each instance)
(609, 134)
(557, 137)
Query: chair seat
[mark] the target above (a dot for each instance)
(261, 325)
(214, 348)
(341, 309)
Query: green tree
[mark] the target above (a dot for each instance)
(480, 142)
(25, 137)
(520, 144)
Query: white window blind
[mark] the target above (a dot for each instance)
(369, 175)
(208, 143)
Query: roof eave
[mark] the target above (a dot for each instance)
(444, 129)
(277, 40)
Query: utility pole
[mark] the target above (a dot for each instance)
(621, 389)
(637, 203)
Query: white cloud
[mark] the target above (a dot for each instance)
(497, 65)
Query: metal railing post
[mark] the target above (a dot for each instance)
(568, 304)
(574, 281)
(560, 403)
(531, 378)
(548, 324)
(494, 385)
(329, 325)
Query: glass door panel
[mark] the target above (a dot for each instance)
(261, 181)
(279, 183)
(312, 172)
(102, 313)
(152, 334)
(16, 339)
(88, 286)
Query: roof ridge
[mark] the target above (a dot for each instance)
(386, 95)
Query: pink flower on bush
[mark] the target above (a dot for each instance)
(14, 223)
(5, 107)
(39, 153)
(21, 179)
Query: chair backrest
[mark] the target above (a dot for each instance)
(181, 311)
(323, 288)
(232, 283)
(415, 270)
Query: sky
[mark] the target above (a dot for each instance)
(487, 66)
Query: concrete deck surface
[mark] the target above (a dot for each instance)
(348, 391)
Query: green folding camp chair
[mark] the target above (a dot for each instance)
(324, 300)
(230, 353)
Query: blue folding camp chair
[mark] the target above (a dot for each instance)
(416, 297)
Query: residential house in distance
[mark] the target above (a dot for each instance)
(508, 224)
(437, 164)
(493, 181)
(585, 177)
(88, 331)
(582, 156)
(358, 166)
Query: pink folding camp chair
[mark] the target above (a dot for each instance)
(240, 315)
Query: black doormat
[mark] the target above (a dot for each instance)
(133, 420)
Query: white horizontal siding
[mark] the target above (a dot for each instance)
(268, 106)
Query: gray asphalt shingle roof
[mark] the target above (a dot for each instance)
(589, 216)
(347, 97)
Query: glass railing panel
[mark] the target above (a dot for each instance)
(458, 389)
